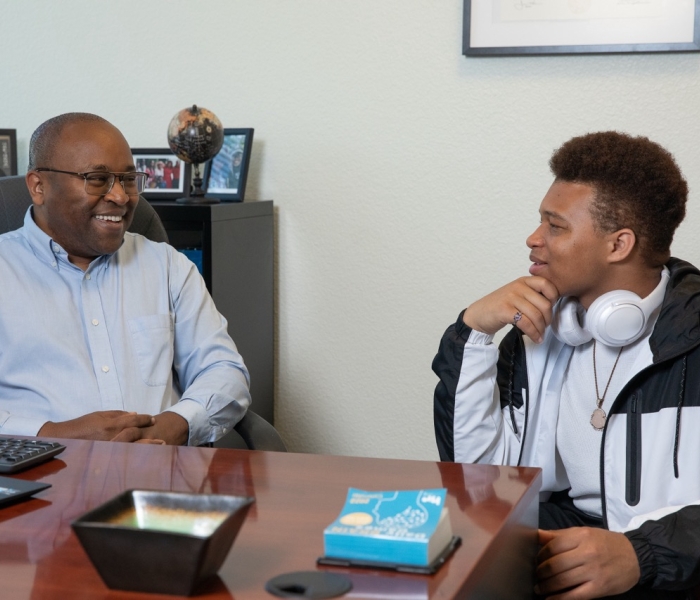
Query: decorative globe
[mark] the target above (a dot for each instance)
(195, 135)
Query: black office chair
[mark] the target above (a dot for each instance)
(252, 432)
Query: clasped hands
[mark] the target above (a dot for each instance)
(121, 426)
(531, 297)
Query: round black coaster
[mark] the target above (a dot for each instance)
(309, 584)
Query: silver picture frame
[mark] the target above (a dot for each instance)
(551, 27)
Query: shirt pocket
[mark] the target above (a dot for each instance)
(153, 341)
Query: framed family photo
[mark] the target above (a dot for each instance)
(168, 176)
(226, 174)
(8, 152)
(527, 27)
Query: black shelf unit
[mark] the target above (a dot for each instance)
(236, 241)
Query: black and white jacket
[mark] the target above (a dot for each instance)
(500, 406)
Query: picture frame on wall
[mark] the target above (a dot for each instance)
(531, 27)
(8, 152)
(226, 174)
(168, 175)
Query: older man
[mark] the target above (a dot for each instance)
(104, 334)
(598, 382)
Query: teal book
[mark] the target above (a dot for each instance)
(410, 527)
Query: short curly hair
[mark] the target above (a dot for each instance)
(637, 185)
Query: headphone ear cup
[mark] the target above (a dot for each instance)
(616, 318)
(620, 317)
(565, 323)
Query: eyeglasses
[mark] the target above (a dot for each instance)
(98, 183)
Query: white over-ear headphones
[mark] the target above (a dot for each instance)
(615, 319)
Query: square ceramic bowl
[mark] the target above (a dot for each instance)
(163, 542)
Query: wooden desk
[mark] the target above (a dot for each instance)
(493, 509)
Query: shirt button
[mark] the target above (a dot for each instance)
(53, 264)
(105, 369)
(88, 276)
(95, 322)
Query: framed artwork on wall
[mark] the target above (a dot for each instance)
(8, 152)
(226, 174)
(530, 27)
(168, 176)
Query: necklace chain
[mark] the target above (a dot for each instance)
(598, 418)
(599, 400)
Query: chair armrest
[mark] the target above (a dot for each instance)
(256, 433)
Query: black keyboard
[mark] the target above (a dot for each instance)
(17, 454)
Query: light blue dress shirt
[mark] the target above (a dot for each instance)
(138, 331)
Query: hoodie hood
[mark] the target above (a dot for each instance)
(678, 325)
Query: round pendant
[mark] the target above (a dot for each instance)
(598, 419)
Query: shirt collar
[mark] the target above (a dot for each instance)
(51, 252)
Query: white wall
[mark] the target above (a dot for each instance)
(406, 176)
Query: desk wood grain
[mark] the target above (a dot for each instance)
(493, 509)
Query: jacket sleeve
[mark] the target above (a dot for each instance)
(668, 550)
(468, 404)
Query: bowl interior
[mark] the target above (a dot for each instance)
(197, 515)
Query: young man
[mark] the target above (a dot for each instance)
(104, 334)
(598, 382)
